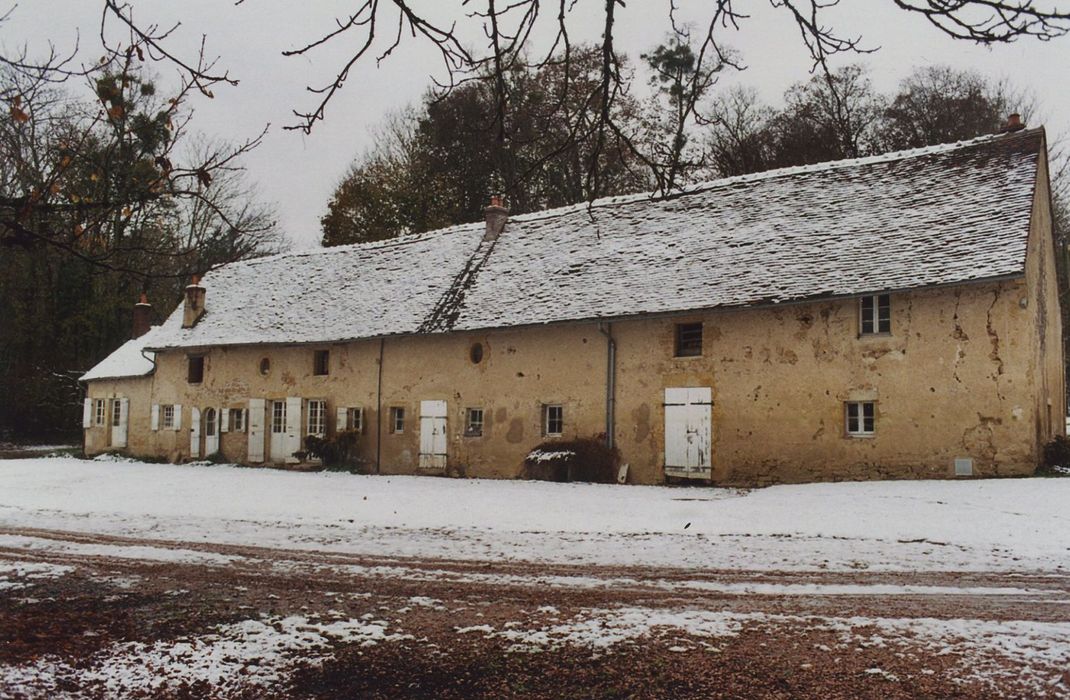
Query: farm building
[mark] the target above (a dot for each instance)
(888, 317)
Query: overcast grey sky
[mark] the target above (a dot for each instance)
(298, 172)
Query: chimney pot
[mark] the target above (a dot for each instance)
(193, 308)
(1014, 123)
(142, 317)
(497, 215)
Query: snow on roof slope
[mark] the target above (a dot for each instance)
(356, 291)
(945, 214)
(126, 361)
(940, 215)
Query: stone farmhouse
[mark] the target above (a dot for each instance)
(888, 317)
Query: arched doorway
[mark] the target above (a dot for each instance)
(211, 432)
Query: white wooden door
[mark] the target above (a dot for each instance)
(688, 431)
(277, 428)
(432, 434)
(255, 424)
(120, 419)
(294, 438)
(211, 431)
(194, 432)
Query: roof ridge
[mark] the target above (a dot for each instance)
(707, 185)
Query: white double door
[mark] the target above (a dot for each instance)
(688, 432)
(433, 435)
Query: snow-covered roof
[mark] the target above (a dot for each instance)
(129, 360)
(941, 215)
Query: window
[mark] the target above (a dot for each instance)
(475, 353)
(355, 419)
(553, 419)
(397, 419)
(265, 366)
(473, 422)
(168, 417)
(209, 422)
(278, 417)
(317, 417)
(860, 418)
(688, 339)
(98, 411)
(195, 370)
(116, 413)
(237, 425)
(321, 363)
(876, 314)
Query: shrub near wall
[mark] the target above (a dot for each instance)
(583, 459)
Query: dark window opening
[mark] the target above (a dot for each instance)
(476, 353)
(265, 366)
(321, 364)
(688, 339)
(195, 373)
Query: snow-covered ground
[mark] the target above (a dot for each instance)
(1009, 525)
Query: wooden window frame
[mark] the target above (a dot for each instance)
(548, 420)
(875, 315)
(355, 418)
(236, 424)
(687, 346)
(856, 423)
(100, 410)
(167, 416)
(397, 420)
(278, 417)
(211, 420)
(473, 422)
(316, 417)
(321, 363)
(116, 413)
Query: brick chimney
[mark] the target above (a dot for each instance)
(142, 317)
(1014, 123)
(193, 308)
(497, 214)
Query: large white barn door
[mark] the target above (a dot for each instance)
(256, 431)
(194, 432)
(688, 432)
(432, 434)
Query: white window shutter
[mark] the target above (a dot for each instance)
(224, 420)
(155, 416)
(245, 419)
(87, 413)
(178, 416)
(340, 419)
(194, 432)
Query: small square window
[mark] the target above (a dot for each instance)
(473, 422)
(688, 339)
(98, 411)
(321, 363)
(195, 370)
(553, 419)
(169, 417)
(861, 418)
(237, 422)
(397, 419)
(355, 419)
(875, 314)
